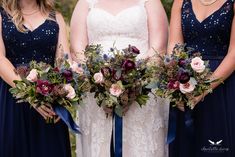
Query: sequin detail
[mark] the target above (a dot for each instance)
(22, 47)
(212, 35)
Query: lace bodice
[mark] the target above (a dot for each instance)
(129, 26)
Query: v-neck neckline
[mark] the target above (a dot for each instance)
(214, 12)
(38, 27)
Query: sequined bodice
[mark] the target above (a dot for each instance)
(22, 47)
(212, 35)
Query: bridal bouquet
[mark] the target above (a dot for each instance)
(117, 78)
(182, 75)
(43, 84)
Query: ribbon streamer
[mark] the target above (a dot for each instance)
(188, 123)
(64, 114)
(118, 136)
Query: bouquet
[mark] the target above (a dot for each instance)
(43, 84)
(182, 75)
(117, 78)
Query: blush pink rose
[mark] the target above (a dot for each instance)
(71, 92)
(198, 65)
(189, 86)
(98, 77)
(116, 90)
(75, 68)
(33, 76)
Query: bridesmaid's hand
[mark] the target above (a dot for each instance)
(45, 111)
(180, 106)
(196, 100)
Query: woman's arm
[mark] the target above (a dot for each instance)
(78, 37)
(227, 67)
(175, 36)
(63, 45)
(157, 27)
(6, 68)
(8, 75)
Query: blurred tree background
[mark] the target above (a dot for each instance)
(66, 7)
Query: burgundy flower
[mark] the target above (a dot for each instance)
(128, 65)
(134, 49)
(44, 87)
(173, 84)
(56, 69)
(184, 77)
(68, 74)
(106, 71)
(181, 62)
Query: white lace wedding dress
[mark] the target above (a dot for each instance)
(144, 129)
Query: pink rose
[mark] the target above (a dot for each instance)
(75, 68)
(116, 90)
(198, 65)
(33, 76)
(71, 92)
(98, 77)
(189, 86)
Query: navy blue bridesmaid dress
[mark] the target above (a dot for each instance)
(23, 131)
(214, 118)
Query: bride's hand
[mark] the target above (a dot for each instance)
(78, 57)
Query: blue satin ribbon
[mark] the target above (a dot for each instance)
(188, 121)
(64, 114)
(172, 125)
(118, 136)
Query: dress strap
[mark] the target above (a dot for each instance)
(52, 15)
(4, 14)
(143, 2)
(92, 3)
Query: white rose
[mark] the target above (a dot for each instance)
(198, 65)
(98, 77)
(33, 76)
(116, 90)
(189, 86)
(71, 92)
(75, 68)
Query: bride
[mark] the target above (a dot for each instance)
(142, 23)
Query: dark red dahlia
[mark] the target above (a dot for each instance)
(181, 62)
(184, 77)
(173, 84)
(44, 87)
(128, 65)
(68, 74)
(56, 69)
(133, 49)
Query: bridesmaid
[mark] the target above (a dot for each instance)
(209, 27)
(30, 30)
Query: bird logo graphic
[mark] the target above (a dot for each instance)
(212, 143)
